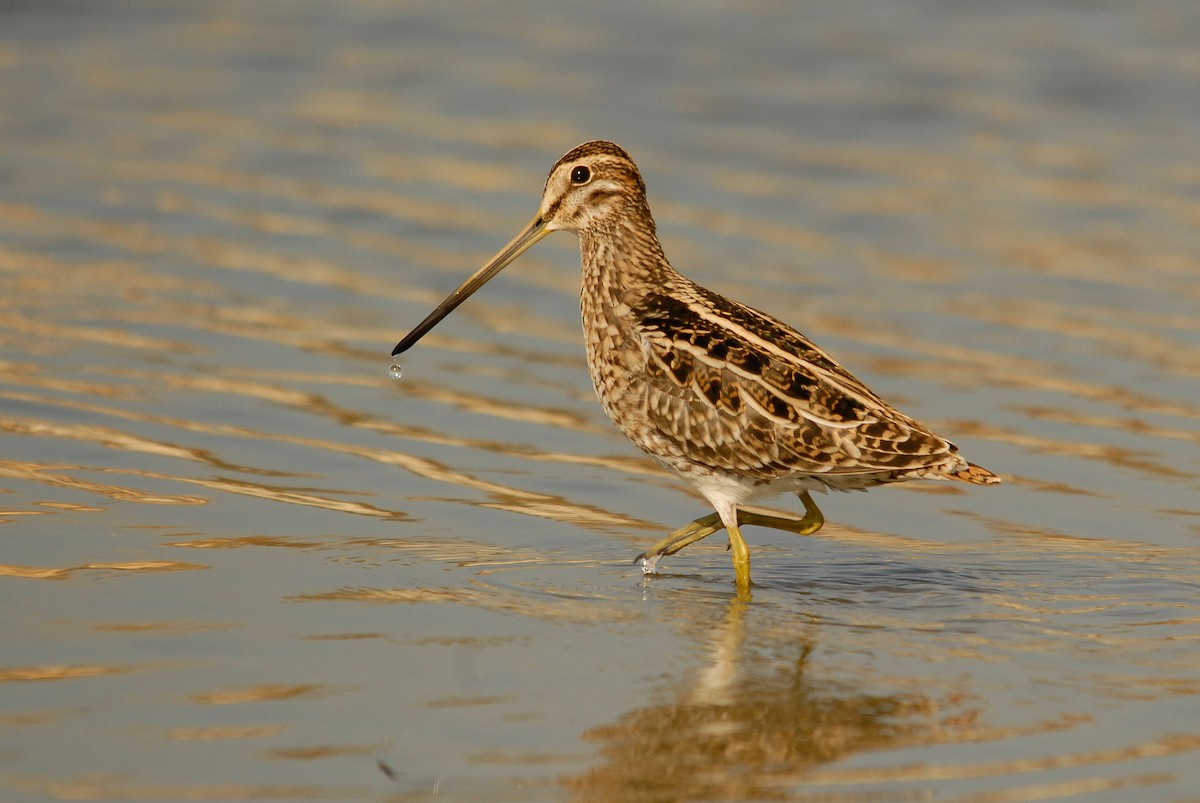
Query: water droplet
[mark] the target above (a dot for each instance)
(395, 372)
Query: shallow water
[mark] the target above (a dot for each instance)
(240, 561)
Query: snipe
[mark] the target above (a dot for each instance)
(734, 401)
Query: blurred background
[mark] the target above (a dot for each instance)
(239, 561)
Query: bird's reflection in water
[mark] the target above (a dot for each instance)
(751, 723)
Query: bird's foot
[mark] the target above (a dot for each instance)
(648, 563)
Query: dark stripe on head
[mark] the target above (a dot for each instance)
(593, 148)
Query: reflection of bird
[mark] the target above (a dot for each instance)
(763, 713)
(732, 400)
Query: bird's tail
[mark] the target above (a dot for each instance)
(976, 475)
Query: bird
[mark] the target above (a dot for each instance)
(734, 401)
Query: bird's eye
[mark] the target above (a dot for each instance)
(581, 174)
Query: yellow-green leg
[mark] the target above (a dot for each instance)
(687, 534)
(813, 519)
(741, 558)
(693, 531)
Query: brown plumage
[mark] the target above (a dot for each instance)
(732, 400)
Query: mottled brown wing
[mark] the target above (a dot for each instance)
(738, 390)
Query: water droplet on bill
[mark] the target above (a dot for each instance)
(395, 372)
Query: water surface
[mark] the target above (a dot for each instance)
(239, 561)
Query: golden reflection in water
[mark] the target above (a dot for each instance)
(1166, 746)
(469, 702)
(260, 541)
(222, 732)
(176, 627)
(28, 719)
(56, 476)
(122, 493)
(272, 392)
(548, 604)
(13, 674)
(62, 573)
(751, 724)
(269, 692)
(106, 786)
(317, 752)
(500, 496)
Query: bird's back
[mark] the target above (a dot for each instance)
(709, 385)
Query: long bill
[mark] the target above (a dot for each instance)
(528, 237)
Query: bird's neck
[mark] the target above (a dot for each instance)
(622, 257)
